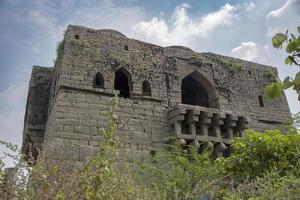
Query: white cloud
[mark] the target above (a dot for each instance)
(283, 18)
(283, 10)
(182, 29)
(252, 51)
(12, 107)
(249, 6)
(247, 51)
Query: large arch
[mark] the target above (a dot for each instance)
(197, 90)
(122, 83)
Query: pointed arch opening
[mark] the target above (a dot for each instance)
(99, 80)
(122, 83)
(197, 90)
(261, 101)
(146, 88)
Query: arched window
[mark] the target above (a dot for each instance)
(197, 90)
(146, 88)
(99, 80)
(122, 83)
(261, 101)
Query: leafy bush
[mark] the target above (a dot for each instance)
(179, 173)
(271, 186)
(259, 153)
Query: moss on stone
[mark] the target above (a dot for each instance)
(268, 73)
(59, 51)
(233, 66)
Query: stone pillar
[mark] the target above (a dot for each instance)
(242, 124)
(176, 117)
(230, 123)
(191, 119)
(177, 124)
(217, 121)
(205, 120)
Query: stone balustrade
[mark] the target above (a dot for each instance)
(202, 127)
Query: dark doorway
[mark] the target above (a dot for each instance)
(122, 84)
(193, 93)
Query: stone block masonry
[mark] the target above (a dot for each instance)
(200, 98)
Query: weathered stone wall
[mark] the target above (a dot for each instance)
(240, 83)
(76, 109)
(80, 114)
(36, 107)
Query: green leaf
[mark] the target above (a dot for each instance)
(287, 84)
(297, 77)
(289, 60)
(298, 28)
(297, 87)
(292, 46)
(297, 82)
(288, 78)
(274, 90)
(278, 39)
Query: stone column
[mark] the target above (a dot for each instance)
(205, 120)
(176, 117)
(191, 119)
(242, 124)
(217, 121)
(230, 123)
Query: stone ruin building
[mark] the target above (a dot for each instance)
(199, 98)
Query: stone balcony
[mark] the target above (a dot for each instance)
(202, 127)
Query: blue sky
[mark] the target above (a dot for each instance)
(30, 31)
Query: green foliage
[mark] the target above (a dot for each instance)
(287, 83)
(258, 153)
(234, 67)
(273, 90)
(271, 186)
(279, 39)
(59, 51)
(268, 73)
(179, 173)
(296, 123)
(292, 47)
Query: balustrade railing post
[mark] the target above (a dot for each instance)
(217, 121)
(230, 123)
(205, 120)
(191, 119)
